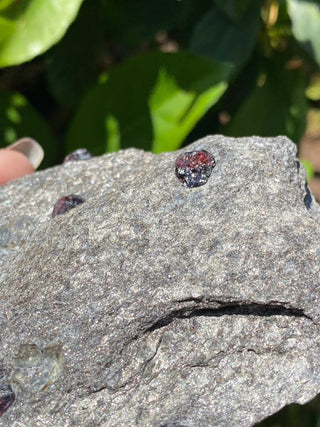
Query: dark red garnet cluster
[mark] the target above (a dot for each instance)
(66, 203)
(79, 154)
(7, 396)
(194, 168)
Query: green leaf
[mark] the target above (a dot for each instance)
(150, 101)
(5, 3)
(309, 168)
(72, 63)
(6, 28)
(141, 19)
(305, 17)
(313, 90)
(39, 24)
(276, 106)
(219, 38)
(113, 133)
(175, 111)
(19, 119)
(233, 9)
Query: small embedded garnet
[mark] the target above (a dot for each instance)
(80, 154)
(194, 168)
(66, 203)
(7, 397)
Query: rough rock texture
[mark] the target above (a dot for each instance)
(156, 305)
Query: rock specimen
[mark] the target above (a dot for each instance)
(154, 304)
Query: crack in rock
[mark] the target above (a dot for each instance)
(230, 309)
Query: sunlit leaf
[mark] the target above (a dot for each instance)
(5, 3)
(305, 17)
(175, 111)
(6, 28)
(313, 90)
(112, 133)
(151, 101)
(308, 167)
(39, 24)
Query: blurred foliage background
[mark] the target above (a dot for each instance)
(156, 74)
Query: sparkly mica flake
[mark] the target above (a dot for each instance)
(194, 168)
(66, 203)
(80, 154)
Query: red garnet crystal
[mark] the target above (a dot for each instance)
(66, 203)
(7, 395)
(194, 168)
(80, 154)
(5, 402)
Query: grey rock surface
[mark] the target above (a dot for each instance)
(156, 305)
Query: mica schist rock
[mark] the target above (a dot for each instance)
(154, 304)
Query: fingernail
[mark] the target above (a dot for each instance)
(30, 148)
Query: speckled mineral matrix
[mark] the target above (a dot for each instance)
(66, 203)
(194, 168)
